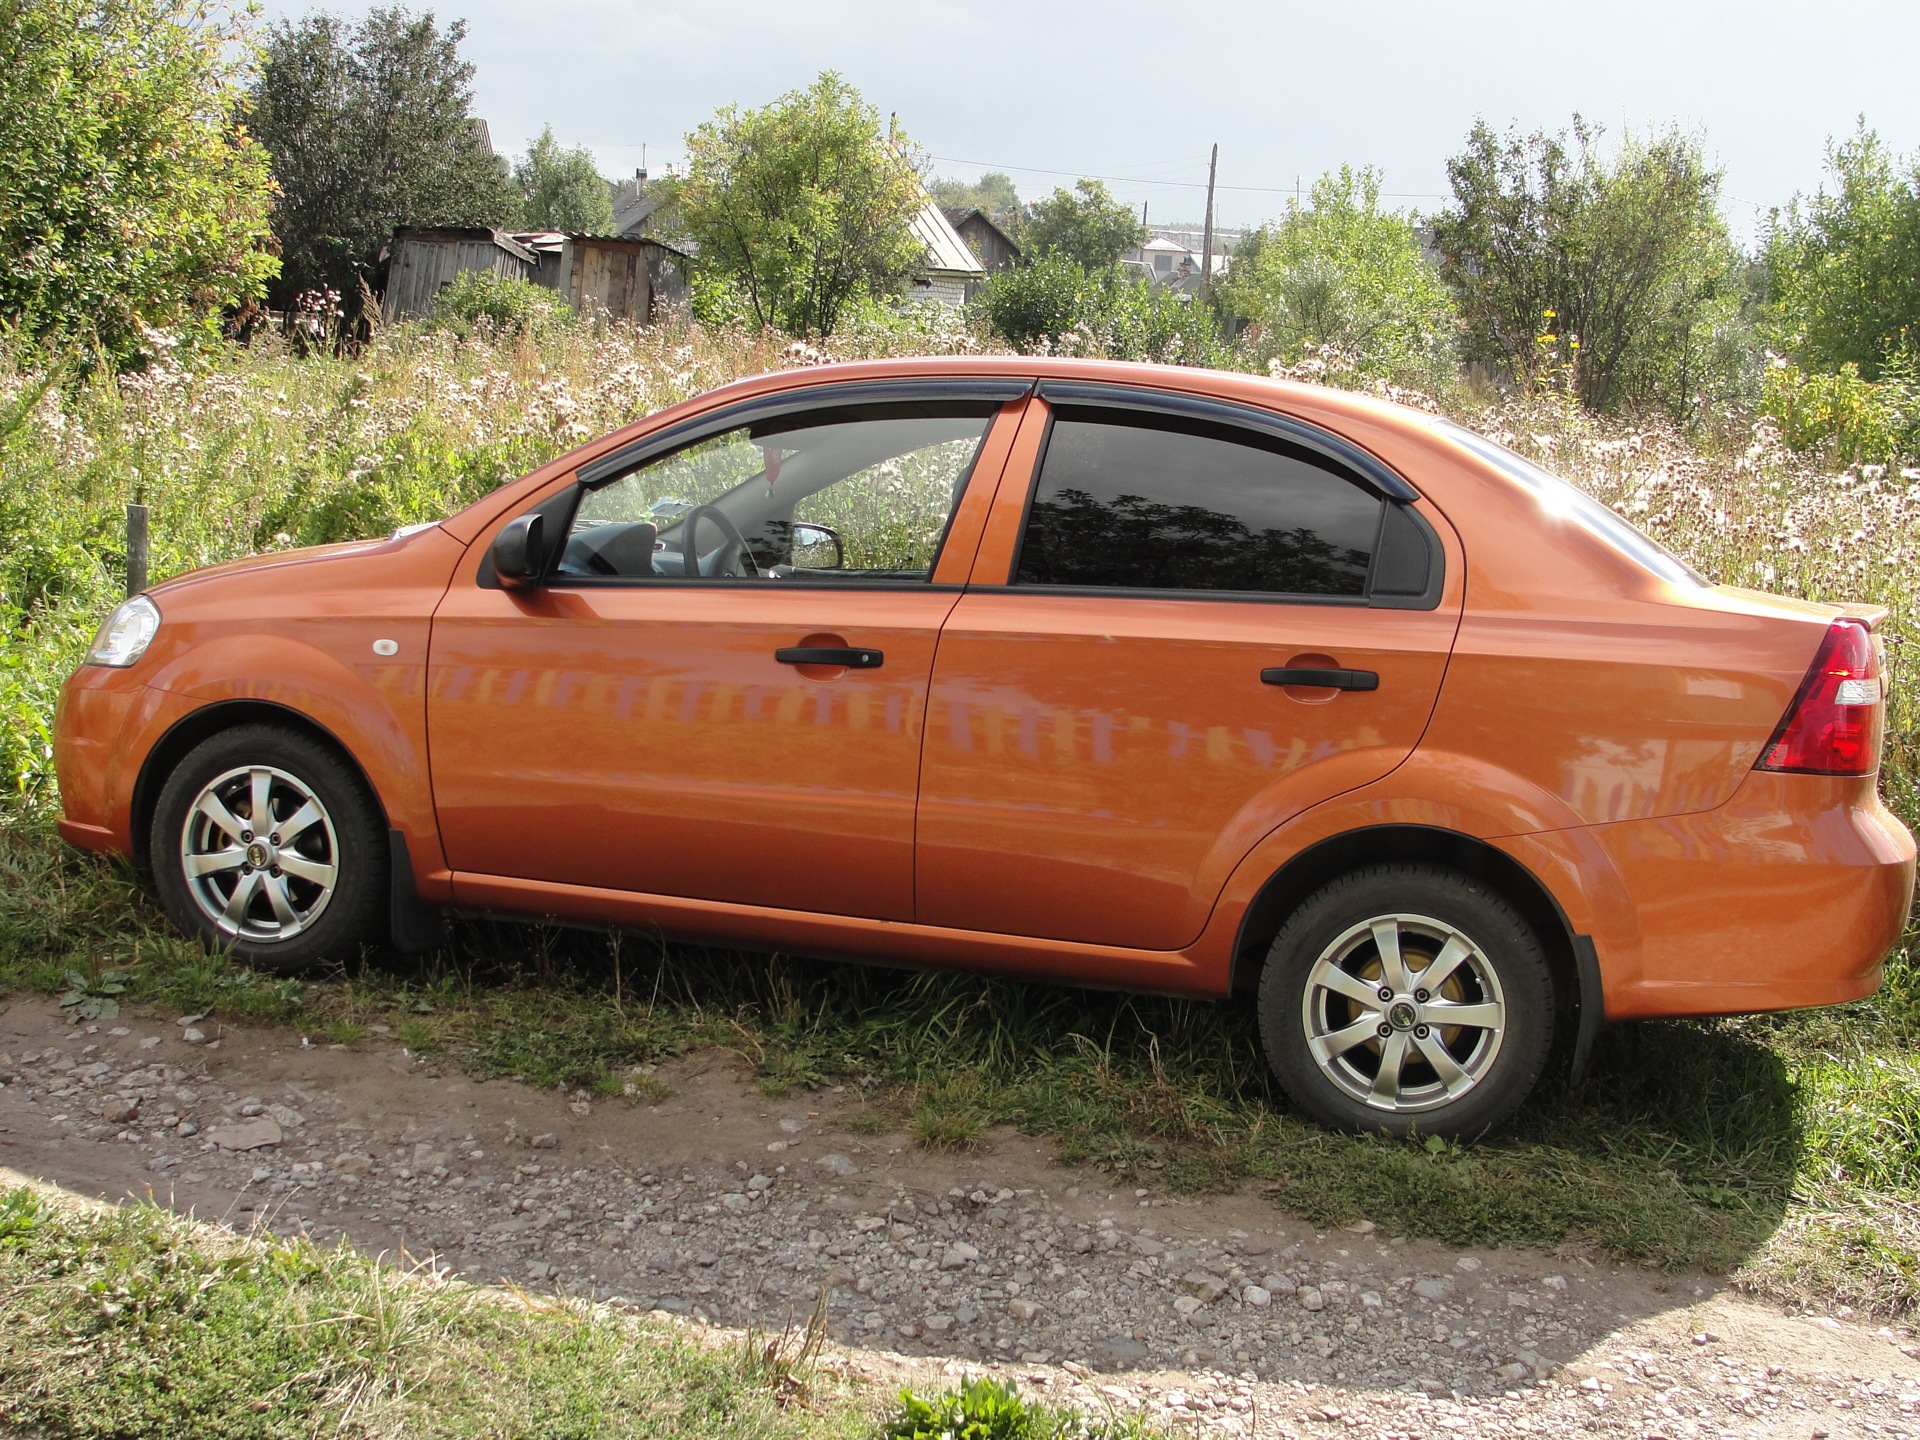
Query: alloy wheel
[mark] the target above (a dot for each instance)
(1404, 1013)
(259, 854)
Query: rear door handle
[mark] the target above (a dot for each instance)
(830, 655)
(1325, 679)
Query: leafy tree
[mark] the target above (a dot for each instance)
(1087, 225)
(1845, 265)
(993, 195)
(802, 206)
(562, 189)
(370, 127)
(1341, 273)
(1604, 274)
(131, 194)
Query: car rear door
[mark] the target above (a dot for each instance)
(1188, 621)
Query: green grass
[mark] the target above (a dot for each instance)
(129, 1323)
(133, 1324)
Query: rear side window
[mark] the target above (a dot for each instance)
(1158, 503)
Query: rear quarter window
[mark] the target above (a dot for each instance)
(1561, 497)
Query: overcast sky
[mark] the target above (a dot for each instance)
(1050, 89)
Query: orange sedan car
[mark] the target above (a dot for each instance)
(1100, 673)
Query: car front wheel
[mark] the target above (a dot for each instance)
(1404, 998)
(266, 843)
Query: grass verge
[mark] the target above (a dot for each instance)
(135, 1324)
(1781, 1149)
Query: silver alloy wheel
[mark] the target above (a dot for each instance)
(1404, 1013)
(259, 882)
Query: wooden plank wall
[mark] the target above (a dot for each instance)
(422, 265)
(611, 277)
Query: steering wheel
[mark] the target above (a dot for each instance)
(690, 561)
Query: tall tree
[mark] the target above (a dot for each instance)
(131, 194)
(370, 126)
(1086, 224)
(1603, 269)
(803, 205)
(562, 189)
(1844, 266)
(1340, 272)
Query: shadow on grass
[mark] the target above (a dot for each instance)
(1681, 1147)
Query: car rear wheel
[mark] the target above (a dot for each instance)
(266, 843)
(1404, 998)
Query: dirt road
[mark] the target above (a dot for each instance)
(712, 1202)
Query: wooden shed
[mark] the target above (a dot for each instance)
(628, 277)
(423, 260)
(991, 246)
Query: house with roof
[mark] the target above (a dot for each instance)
(949, 268)
(1171, 255)
(991, 245)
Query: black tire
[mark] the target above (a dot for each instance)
(1428, 915)
(320, 921)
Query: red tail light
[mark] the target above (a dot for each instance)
(1833, 726)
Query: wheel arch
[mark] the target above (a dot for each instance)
(209, 720)
(1571, 962)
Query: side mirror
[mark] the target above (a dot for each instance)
(520, 552)
(817, 547)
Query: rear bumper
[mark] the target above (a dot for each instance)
(1789, 895)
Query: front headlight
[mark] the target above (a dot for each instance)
(127, 633)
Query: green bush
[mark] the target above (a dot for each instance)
(1053, 306)
(502, 304)
(1341, 274)
(1845, 417)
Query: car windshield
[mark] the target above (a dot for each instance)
(1563, 498)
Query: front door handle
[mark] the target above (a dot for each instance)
(830, 655)
(1325, 679)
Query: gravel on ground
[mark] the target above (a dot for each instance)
(699, 1197)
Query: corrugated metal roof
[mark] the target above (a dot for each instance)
(947, 253)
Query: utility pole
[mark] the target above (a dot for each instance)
(1206, 244)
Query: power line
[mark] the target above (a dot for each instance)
(1178, 184)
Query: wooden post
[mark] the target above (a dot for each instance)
(1206, 244)
(136, 549)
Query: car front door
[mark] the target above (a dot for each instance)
(1198, 622)
(718, 691)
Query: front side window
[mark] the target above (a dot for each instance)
(852, 493)
(1158, 503)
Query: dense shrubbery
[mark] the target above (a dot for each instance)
(501, 304)
(1341, 274)
(1054, 306)
(131, 195)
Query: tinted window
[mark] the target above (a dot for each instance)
(1150, 503)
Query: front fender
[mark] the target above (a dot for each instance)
(375, 708)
